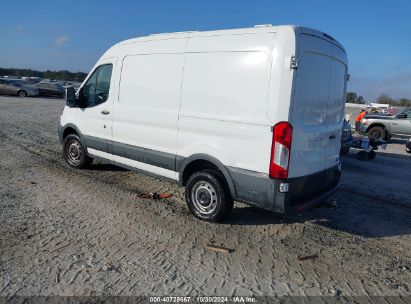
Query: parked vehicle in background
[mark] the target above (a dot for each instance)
(230, 114)
(408, 146)
(74, 85)
(346, 138)
(385, 126)
(32, 80)
(50, 89)
(391, 111)
(17, 87)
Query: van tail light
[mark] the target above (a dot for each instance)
(280, 150)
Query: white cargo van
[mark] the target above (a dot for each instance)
(251, 115)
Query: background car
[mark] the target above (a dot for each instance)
(50, 89)
(74, 85)
(17, 87)
(386, 126)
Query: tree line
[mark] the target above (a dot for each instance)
(401, 102)
(55, 75)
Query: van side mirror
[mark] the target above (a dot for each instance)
(402, 115)
(71, 97)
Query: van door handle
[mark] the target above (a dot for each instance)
(332, 136)
(105, 112)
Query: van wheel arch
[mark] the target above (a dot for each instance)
(69, 130)
(72, 129)
(201, 162)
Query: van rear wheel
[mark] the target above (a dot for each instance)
(206, 196)
(74, 152)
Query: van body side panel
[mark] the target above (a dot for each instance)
(256, 42)
(224, 100)
(146, 111)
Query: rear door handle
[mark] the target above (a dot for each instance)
(105, 112)
(332, 136)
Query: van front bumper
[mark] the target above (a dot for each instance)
(303, 193)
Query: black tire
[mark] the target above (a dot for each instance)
(207, 196)
(74, 152)
(377, 133)
(371, 155)
(362, 155)
(22, 93)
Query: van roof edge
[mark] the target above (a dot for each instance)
(172, 33)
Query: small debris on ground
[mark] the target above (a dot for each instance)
(58, 275)
(155, 195)
(219, 249)
(308, 257)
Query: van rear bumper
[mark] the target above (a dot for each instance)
(304, 193)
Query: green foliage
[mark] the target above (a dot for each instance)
(402, 102)
(385, 99)
(55, 75)
(353, 98)
(360, 100)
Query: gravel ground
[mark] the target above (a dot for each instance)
(69, 232)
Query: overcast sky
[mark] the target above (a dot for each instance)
(73, 34)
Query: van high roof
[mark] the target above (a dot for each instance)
(260, 28)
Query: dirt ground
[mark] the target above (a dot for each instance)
(69, 232)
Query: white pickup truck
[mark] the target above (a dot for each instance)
(386, 126)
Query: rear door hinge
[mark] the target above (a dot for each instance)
(294, 62)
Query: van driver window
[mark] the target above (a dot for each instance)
(97, 88)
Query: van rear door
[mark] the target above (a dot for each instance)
(317, 106)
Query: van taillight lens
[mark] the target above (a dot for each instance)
(280, 150)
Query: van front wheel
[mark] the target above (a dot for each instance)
(207, 197)
(74, 153)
